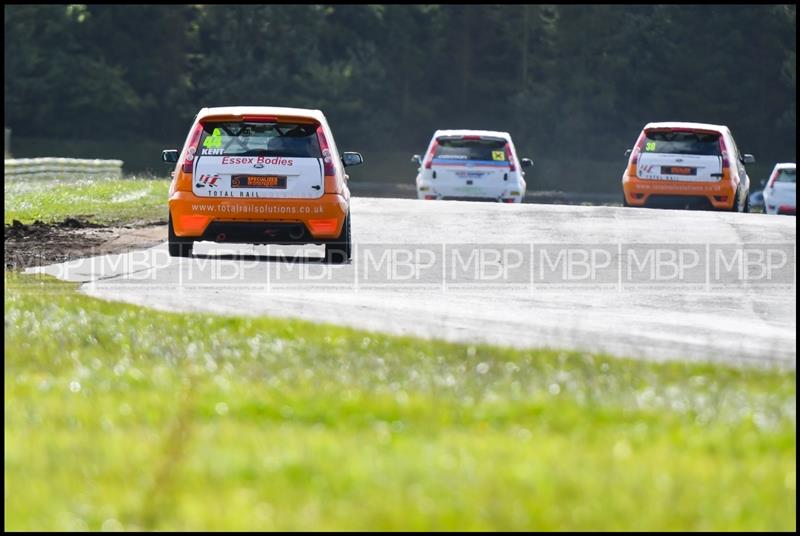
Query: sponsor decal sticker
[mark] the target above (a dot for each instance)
(675, 170)
(250, 181)
(255, 160)
(212, 181)
(214, 140)
(241, 208)
(498, 155)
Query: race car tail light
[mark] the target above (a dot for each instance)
(327, 157)
(324, 226)
(193, 223)
(430, 197)
(191, 149)
(510, 157)
(429, 158)
(635, 153)
(471, 138)
(771, 181)
(723, 149)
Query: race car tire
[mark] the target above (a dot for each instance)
(177, 246)
(735, 207)
(339, 251)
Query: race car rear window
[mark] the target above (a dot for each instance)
(786, 175)
(260, 139)
(682, 142)
(461, 149)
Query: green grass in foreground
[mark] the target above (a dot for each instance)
(119, 416)
(107, 201)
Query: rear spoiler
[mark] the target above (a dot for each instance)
(683, 129)
(470, 137)
(256, 118)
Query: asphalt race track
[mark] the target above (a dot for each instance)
(641, 283)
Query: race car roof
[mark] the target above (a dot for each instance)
(261, 110)
(464, 132)
(682, 124)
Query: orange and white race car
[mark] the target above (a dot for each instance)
(261, 175)
(675, 165)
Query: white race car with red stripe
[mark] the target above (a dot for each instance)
(471, 165)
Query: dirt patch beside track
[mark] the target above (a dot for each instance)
(39, 243)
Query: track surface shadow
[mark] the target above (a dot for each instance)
(291, 259)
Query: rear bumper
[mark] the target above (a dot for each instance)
(779, 203)
(259, 233)
(511, 190)
(251, 220)
(508, 195)
(640, 193)
(773, 208)
(501, 199)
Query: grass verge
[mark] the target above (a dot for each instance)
(118, 416)
(103, 201)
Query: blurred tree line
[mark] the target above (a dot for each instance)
(557, 77)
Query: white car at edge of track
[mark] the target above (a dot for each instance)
(780, 192)
(471, 165)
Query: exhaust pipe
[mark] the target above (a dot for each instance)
(296, 232)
